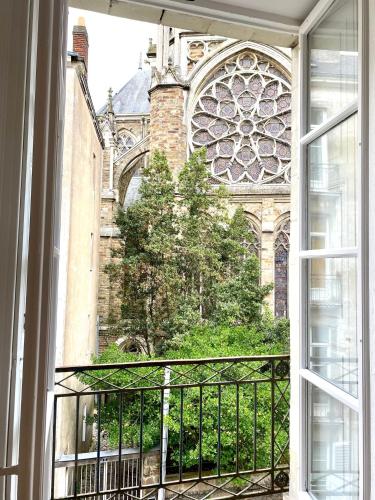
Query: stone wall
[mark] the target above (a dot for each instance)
(202, 489)
(266, 205)
(167, 124)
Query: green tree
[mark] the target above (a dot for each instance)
(239, 295)
(183, 261)
(189, 287)
(215, 251)
(201, 212)
(144, 268)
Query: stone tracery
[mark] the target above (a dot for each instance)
(124, 143)
(243, 117)
(254, 242)
(198, 48)
(281, 247)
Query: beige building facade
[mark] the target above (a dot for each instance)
(79, 256)
(79, 235)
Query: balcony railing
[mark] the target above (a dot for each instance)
(326, 289)
(325, 177)
(203, 428)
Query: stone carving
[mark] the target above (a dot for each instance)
(282, 369)
(282, 479)
(243, 117)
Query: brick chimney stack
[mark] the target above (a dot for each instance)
(81, 41)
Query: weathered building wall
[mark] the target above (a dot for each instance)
(79, 250)
(133, 128)
(81, 188)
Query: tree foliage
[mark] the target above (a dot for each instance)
(145, 270)
(203, 341)
(182, 259)
(189, 287)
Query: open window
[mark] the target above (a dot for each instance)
(332, 332)
(329, 314)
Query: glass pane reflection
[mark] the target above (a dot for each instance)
(333, 458)
(332, 170)
(333, 55)
(332, 321)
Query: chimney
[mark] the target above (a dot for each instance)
(81, 41)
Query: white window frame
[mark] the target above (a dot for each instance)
(360, 251)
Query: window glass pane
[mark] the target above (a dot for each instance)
(333, 457)
(332, 170)
(333, 56)
(332, 321)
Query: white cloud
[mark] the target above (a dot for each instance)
(115, 45)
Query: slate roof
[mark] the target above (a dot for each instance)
(133, 96)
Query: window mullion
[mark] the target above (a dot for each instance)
(325, 127)
(328, 253)
(331, 389)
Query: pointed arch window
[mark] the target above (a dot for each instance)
(124, 143)
(281, 247)
(253, 243)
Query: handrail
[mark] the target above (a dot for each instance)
(168, 362)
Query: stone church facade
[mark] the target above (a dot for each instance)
(234, 98)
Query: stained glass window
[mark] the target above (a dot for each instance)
(243, 117)
(281, 269)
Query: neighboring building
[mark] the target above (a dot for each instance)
(80, 213)
(79, 236)
(232, 97)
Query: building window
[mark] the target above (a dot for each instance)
(132, 192)
(124, 143)
(243, 117)
(281, 247)
(253, 243)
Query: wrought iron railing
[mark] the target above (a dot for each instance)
(201, 428)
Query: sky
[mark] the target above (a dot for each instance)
(115, 45)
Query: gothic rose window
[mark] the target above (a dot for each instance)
(124, 143)
(281, 247)
(243, 117)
